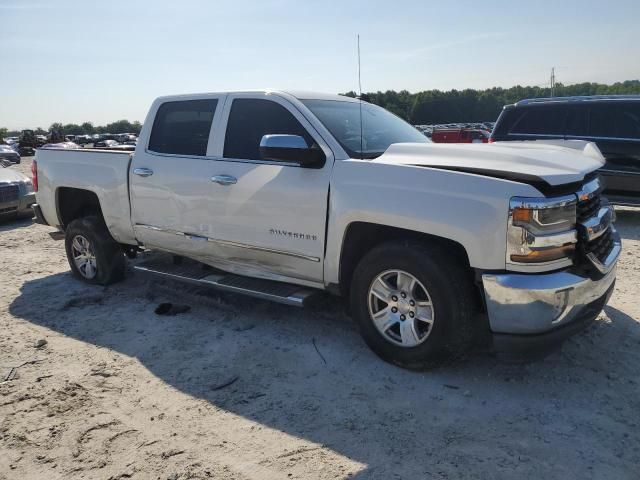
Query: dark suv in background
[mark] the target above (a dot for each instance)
(612, 122)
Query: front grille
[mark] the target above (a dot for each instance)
(601, 246)
(588, 208)
(9, 193)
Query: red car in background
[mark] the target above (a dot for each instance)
(459, 135)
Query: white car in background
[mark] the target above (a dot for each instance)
(63, 145)
(7, 152)
(16, 192)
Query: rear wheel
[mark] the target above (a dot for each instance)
(93, 255)
(414, 303)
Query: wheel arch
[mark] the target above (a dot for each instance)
(361, 237)
(72, 203)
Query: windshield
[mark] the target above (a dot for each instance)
(380, 128)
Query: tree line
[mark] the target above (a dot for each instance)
(437, 106)
(426, 107)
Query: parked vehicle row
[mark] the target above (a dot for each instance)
(481, 126)
(105, 144)
(128, 146)
(460, 135)
(434, 247)
(62, 145)
(28, 142)
(118, 137)
(80, 139)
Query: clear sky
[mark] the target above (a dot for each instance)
(100, 61)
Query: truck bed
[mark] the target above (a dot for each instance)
(102, 172)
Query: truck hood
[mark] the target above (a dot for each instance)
(539, 163)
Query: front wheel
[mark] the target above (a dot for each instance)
(414, 303)
(94, 256)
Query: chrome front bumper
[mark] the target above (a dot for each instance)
(519, 304)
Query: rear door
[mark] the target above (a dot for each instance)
(171, 192)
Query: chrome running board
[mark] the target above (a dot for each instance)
(200, 274)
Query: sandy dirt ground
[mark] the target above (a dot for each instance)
(119, 392)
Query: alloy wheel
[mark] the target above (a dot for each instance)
(401, 308)
(84, 257)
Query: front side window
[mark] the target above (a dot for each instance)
(577, 121)
(252, 118)
(182, 128)
(380, 128)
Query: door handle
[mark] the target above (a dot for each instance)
(143, 171)
(224, 179)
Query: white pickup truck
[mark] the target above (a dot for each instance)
(435, 247)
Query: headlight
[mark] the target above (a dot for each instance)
(541, 233)
(29, 186)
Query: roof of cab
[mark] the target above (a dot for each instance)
(299, 94)
(307, 95)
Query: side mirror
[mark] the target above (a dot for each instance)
(291, 148)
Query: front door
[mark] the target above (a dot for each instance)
(270, 216)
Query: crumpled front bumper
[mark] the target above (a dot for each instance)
(528, 309)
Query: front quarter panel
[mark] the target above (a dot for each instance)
(466, 208)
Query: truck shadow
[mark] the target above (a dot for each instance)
(308, 373)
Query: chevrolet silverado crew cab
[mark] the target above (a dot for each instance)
(280, 195)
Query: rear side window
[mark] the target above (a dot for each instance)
(182, 128)
(250, 119)
(619, 120)
(547, 120)
(577, 121)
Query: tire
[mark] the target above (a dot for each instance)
(106, 262)
(448, 288)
